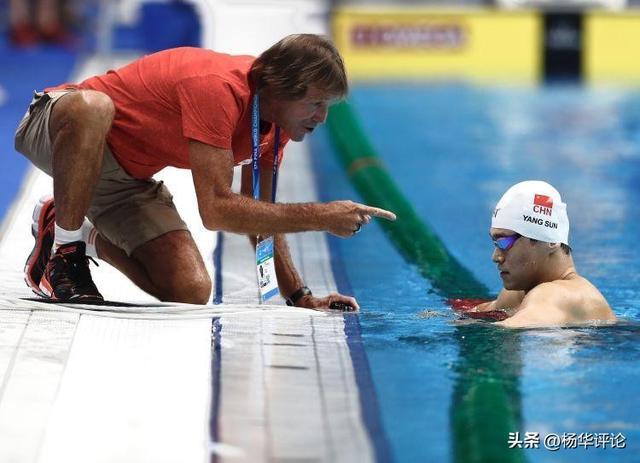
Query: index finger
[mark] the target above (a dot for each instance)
(377, 212)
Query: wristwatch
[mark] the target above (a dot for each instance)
(297, 295)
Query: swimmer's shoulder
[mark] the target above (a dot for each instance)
(550, 293)
(544, 305)
(577, 297)
(594, 301)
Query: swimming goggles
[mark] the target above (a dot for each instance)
(504, 243)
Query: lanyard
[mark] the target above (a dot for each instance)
(255, 154)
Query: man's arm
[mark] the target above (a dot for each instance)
(507, 299)
(543, 306)
(222, 209)
(289, 281)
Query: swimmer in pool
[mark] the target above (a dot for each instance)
(530, 231)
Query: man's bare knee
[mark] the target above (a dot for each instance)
(185, 278)
(92, 110)
(192, 289)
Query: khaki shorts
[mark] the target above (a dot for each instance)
(127, 211)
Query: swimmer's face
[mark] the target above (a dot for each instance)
(300, 117)
(519, 265)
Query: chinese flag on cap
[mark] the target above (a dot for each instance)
(542, 200)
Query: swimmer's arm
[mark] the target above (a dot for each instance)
(542, 307)
(507, 299)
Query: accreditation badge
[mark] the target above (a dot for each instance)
(266, 269)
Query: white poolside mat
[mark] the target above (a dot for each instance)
(288, 390)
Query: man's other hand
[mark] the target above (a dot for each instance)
(346, 303)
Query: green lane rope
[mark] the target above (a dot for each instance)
(411, 236)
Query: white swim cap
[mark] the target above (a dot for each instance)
(533, 209)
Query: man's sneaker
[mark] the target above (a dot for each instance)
(67, 276)
(42, 229)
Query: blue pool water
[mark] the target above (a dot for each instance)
(450, 391)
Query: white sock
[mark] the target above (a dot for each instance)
(89, 235)
(63, 236)
(86, 233)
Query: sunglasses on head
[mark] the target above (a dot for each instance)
(505, 243)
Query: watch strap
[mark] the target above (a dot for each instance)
(297, 295)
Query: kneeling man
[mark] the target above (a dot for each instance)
(530, 230)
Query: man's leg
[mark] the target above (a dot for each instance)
(64, 134)
(141, 233)
(78, 123)
(168, 267)
(78, 128)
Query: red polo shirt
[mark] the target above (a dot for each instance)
(165, 99)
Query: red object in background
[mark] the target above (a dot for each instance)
(26, 35)
(23, 35)
(55, 33)
(463, 306)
